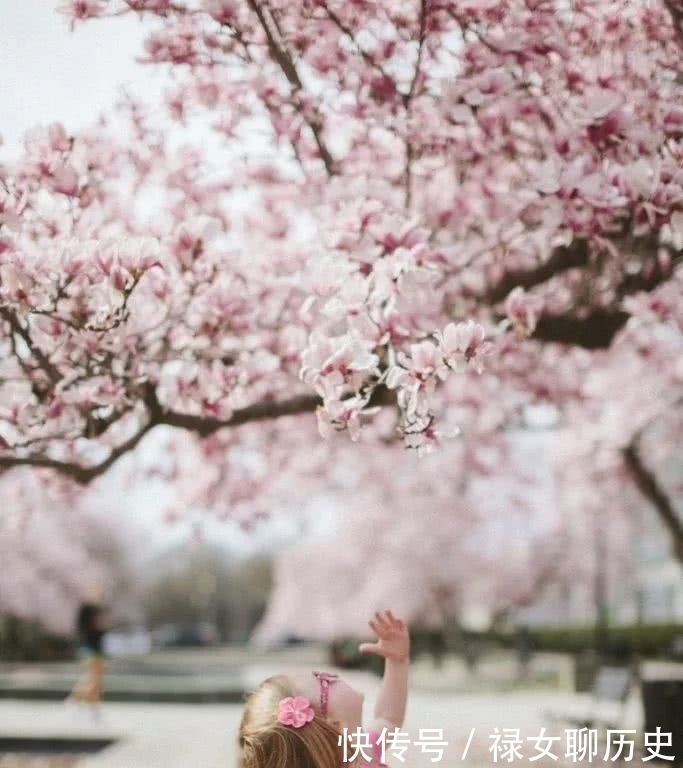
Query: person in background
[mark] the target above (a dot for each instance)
(91, 626)
(524, 651)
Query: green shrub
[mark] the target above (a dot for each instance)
(22, 640)
(344, 653)
(648, 640)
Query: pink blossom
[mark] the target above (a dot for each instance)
(6, 245)
(522, 311)
(191, 239)
(155, 6)
(461, 340)
(548, 178)
(65, 180)
(208, 93)
(425, 360)
(15, 284)
(119, 278)
(673, 121)
(176, 46)
(80, 10)
(55, 408)
(488, 87)
(42, 141)
(423, 442)
(222, 11)
(338, 415)
(337, 359)
(604, 115)
(295, 711)
(374, 205)
(326, 275)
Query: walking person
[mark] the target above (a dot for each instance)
(524, 651)
(91, 626)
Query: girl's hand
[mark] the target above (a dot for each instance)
(393, 638)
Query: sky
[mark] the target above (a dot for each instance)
(50, 73)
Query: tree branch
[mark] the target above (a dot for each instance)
(562, 259)
(201, 425)
(594, 331)
(273, 409)
(367, 58)
(407, 101)
(267, 410)
(598, 327)
(675, 10)
(648, 485)
(282, 58)
(77, 472)
(43, 361)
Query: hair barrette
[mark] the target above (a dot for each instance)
(295, 711)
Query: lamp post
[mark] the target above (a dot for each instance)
(600, 593)
(600, 585)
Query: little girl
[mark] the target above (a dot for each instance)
(300, 720)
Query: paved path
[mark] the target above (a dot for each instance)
(221, 675)
(203, 736)
(171, 736)
(145, 735)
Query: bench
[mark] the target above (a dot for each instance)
(606, 703)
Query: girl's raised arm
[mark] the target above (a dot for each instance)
(393, 643)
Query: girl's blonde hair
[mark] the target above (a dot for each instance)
(265, 743)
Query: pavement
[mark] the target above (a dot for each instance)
(466, 709)
(221, 675)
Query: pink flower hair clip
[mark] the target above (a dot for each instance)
(295, 711)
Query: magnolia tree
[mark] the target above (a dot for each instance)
(447, 543)
(447, 211)
(54, 553)
(603, 514)
(482, 525)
